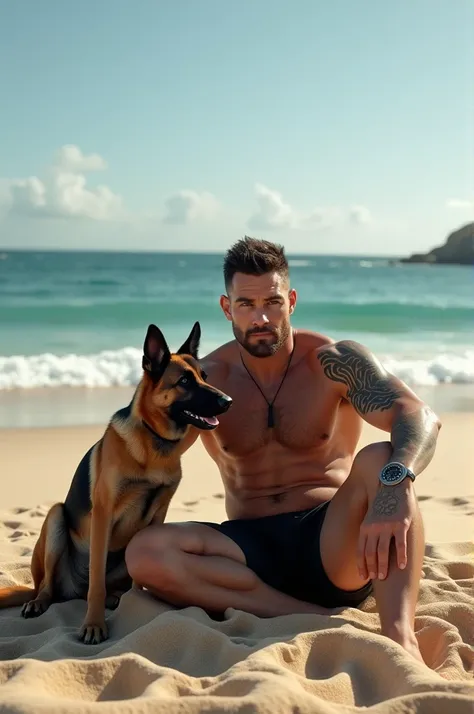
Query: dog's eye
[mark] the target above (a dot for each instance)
(204, 375)
(183, 380)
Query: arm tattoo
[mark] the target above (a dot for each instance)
(386, 501)
(414, 436)
(368, 387)
(415, 427)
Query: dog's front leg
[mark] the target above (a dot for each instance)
(160, 505)
(94, 629)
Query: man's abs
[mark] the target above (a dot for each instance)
(278, 477)
(257, 487)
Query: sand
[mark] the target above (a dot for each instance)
(163, 659)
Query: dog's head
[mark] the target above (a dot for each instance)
(174, 384)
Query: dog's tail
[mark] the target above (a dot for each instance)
(16, 595)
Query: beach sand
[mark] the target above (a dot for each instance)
(163, 659)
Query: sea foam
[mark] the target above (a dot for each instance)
(122, 367)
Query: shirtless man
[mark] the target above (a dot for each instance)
(311, 524)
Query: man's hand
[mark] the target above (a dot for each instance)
(389, 516)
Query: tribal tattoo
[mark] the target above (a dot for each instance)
(414, 436)
(368, 387)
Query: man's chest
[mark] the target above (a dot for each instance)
(303, 415)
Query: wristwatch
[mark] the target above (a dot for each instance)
(394, 473)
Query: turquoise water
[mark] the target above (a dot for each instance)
(80, 318)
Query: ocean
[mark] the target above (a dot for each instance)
(76, 319)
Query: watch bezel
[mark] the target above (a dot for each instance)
(405, 472)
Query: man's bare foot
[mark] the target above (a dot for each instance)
(405, 637)
(413, 649)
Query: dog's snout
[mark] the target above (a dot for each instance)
(224, 401)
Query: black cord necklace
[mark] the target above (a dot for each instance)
(271, 417)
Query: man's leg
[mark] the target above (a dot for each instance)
(193, 564)
(397, 594)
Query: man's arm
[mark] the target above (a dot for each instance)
(384, 401)
(215, 373)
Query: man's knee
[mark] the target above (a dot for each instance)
(366, 467)
(369, 462)
(152, 558)
(373, 456)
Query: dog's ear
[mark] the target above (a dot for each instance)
(191, 346)
(156, 353)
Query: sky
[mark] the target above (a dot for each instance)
(334, 126)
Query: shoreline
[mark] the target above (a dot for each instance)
(77, 406)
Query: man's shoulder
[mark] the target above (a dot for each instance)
(218, 362)
(312, 344)
(326, 353)
(346, 349)
(311, 340)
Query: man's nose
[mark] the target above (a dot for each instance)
(260, 319)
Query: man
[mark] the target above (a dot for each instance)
(312, 523)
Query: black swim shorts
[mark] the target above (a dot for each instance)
(283, 550)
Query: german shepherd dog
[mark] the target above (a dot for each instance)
(124, 483)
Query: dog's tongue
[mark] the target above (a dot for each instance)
(213, 421)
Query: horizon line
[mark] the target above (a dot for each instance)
(114, 251)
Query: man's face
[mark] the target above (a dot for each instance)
(259, 307)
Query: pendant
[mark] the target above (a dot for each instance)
(270, 420)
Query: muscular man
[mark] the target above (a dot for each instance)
(313, 523)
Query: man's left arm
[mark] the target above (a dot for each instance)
(384, 401)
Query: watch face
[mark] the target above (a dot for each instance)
(392, 473)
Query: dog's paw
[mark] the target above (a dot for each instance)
(34, 608)
(93, 634)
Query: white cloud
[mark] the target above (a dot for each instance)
(460, 203)
(63, 192)
(274, 213)
(188, 206)
(28, 195)
(360, 215)
(70, 197)
(71, 158)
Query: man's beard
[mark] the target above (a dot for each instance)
(271, 341)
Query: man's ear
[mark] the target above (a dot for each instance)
(292, 297)
(224, 302)
(156, 353)
(191, 345)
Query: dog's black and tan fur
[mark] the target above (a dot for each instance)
(124, 483)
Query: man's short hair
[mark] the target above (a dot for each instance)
(253, 256)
